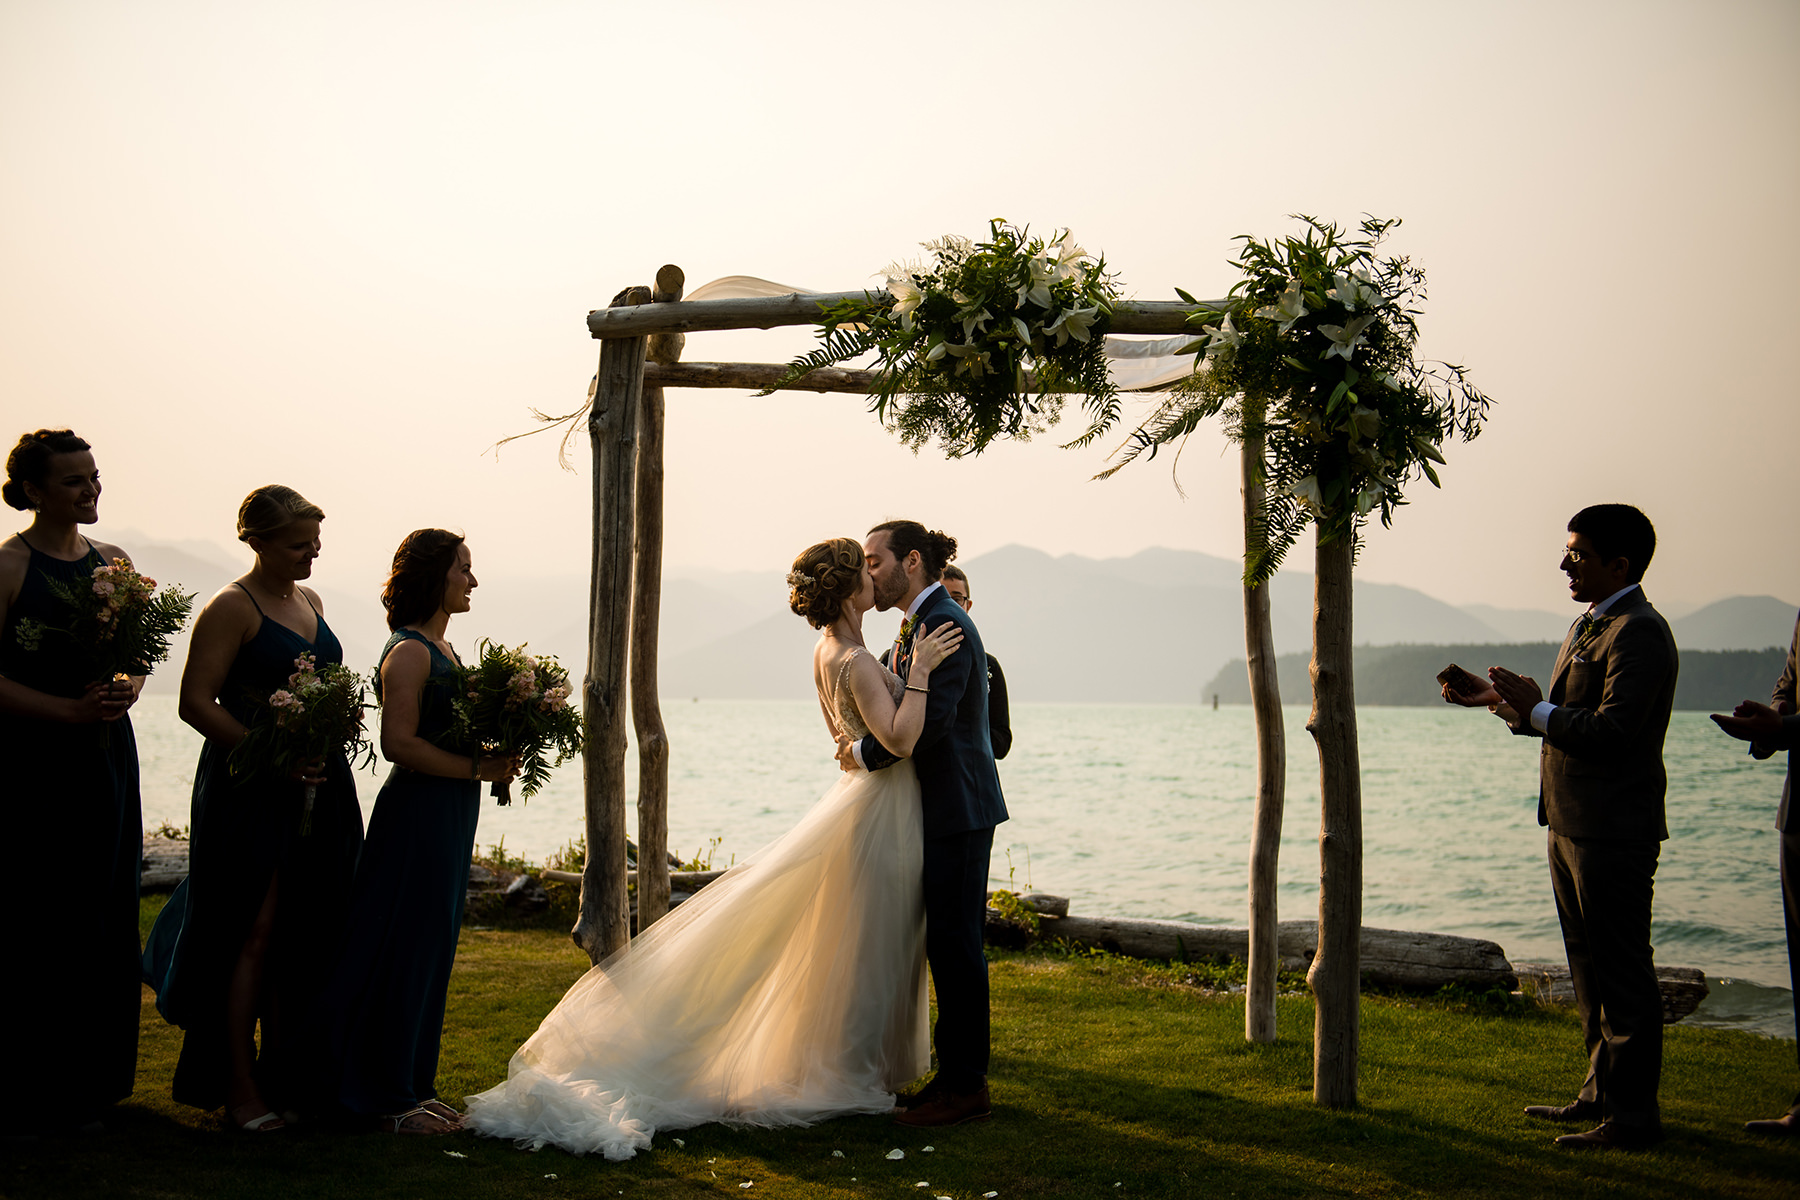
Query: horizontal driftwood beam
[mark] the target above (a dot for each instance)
(753, 377)
(802, 308)
(679, 881)
(1390, 957)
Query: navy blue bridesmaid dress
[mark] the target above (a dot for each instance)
(387, 1001)
(70, 1004)
(247, 831)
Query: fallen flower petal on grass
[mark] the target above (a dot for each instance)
(927, 1149)
(896, 1154)
(837, 1154)
(456, 1154)
(681, 1144)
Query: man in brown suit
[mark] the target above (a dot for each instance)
(1768, 728)
(1601, 790)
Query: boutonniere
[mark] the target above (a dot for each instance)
(1589, 633)
(906, 627)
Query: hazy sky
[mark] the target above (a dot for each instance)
(347, 246)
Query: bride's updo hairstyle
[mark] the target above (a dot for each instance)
(415, 586)
(271, 508)
(936, 548)
(824, 576)
(29, 462)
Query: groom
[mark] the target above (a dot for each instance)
(959, 791)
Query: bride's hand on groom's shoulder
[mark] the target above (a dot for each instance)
(937, 645)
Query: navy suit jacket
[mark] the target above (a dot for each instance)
(959, 788)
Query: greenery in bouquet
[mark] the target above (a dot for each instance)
(516, 705)
(117, 619)
(983, 341)
(316, 717)
(1313, 351)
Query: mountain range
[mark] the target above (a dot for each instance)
(1156, 626)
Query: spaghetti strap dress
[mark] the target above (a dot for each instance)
(70, 1005)
(386, 1003)
(246, 831)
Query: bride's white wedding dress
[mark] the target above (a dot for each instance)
(789, 990)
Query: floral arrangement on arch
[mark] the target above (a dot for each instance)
(119, 621)
(316, 717)
(514, 704)
(1313, 351)
(983, 341)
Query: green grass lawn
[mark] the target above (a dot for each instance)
(1109, 1079)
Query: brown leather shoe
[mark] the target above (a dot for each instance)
(1580, 1110)
(926, 1093)
(1612, 1136)
(947, 1109)
(1785, 1125)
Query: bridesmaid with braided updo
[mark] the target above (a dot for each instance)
(71, 783)
(249, 939)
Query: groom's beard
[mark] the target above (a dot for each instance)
(888, 590)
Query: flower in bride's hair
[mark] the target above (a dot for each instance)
(800, 579)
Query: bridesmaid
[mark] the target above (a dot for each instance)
(251, 935)
(72, 784)
(388, 997)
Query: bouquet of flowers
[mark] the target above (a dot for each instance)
(318, 715)
(118, 620)
(514, 704)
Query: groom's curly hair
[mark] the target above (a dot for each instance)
(824, 576)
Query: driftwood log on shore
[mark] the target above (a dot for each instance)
(165, 863)
(1390, 957)
(1683, 988)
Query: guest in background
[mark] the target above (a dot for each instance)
(1768, 728)
(956, 582)
(251, 934)
(386, 1003)
(1601, 792)
(72, 790)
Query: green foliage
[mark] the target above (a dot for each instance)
(703, 857)
(956, 339)
(1313, 353)
(1009, 906)
(514, 704)
(316, 717)
(118, 623)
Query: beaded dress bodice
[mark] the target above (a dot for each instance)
(844, 702)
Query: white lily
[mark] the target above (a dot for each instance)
(1036, 289)
(1352, 289)
(1345, 338)
(1068, 260)
(1368, 498)
(971, 322)
(1222, 334)
(1308, 491)
(1288, 309)
(907, 298)
(1024, 330)
(1074, 323)
(1364, 422)
(970, 360)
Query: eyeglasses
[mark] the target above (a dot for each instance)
(1576, 557)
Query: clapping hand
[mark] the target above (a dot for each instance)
(1470, 691)
(1520, 693)
(1752, 722)
(936, 646)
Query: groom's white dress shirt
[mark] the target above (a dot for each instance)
(1540, 712)
(856, 747)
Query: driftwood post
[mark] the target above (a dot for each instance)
(646, 611)
(1271, 760)
(1336, 973)
(605, 921)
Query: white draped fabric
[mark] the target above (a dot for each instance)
(1137, 364)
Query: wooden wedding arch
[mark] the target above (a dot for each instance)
(641, 341)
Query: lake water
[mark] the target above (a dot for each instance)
(1145, 811)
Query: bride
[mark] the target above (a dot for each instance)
(790, 990)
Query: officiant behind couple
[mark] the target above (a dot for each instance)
(792, 989)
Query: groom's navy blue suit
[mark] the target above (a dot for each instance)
(959, 791)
